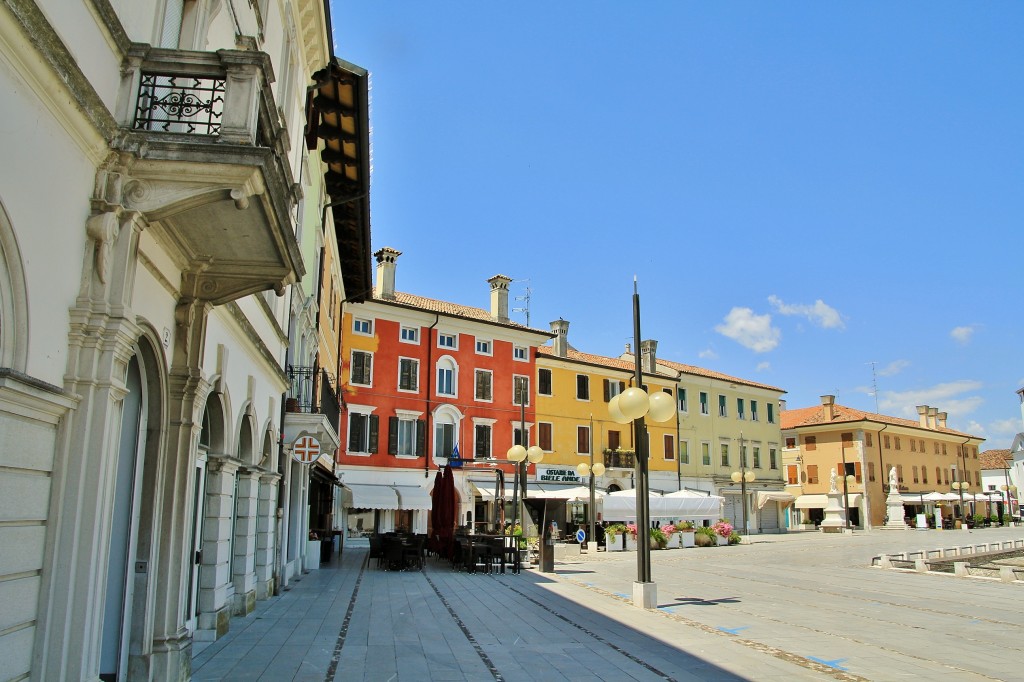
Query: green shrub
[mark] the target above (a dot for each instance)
(659, 538)
(614, 530)
(734, 538)
(704, 539)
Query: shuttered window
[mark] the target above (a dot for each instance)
(791, 474)
(582, 387)
(544, 381)
(544, 436)
(613, 440)
(362, 364)
(483, 385)
(811, 442)
(670, 447)
(408, 374)
(583, 440)
(812, 473)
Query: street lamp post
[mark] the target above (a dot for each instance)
(743, 477)
(960, 487)
(519, 455)
(591, 470)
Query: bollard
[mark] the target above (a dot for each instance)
(960, 569)
(1006, 574)
(920, 565)
(886, 562)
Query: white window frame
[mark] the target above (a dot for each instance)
(480, 421)
(682, 400)
(706, 456)
(723, 405)
(441, 336)
(489, 373)
(520, 350)
(373, 365)
(452, 367)
(398, 379)
(363, 411)
(414, 333)
(357, 322)
(484, 346)
(753, 411)
(576, 386)
(407, 417)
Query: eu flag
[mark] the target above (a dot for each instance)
(454, 460)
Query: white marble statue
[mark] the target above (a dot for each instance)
(894, 484)
(832, 481)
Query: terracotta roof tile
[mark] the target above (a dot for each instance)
(447, 308)
(711, 374)
(813, 416)
(994, 459)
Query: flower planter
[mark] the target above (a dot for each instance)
(673, 541)
(686, 538)
(630, 542)
(721, 540)
(614, 544)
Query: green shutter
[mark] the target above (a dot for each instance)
(392, 435)
(372, 448)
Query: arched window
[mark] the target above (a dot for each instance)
(447, 377)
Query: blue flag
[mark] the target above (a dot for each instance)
(454, 460)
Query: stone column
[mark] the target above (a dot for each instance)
(266, 535)
(244, 547)
(215, 568)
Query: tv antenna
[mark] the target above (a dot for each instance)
(874, 384)
(526, 300)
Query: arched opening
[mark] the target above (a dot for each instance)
(211, 443)
(13, 300)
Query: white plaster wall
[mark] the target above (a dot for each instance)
(45, 185)
(139, 18)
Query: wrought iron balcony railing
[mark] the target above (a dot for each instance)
(303, 390)
(619, 459)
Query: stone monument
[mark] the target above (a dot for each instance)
(894, 504)
(835, 510)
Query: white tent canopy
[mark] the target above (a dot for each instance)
(580, 493)
(621, 506)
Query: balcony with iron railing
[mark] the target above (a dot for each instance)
(312, 407)
(619, 459)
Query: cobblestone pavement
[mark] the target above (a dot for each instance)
(802, 606)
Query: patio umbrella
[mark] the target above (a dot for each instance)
(446, 514)
(435, 499)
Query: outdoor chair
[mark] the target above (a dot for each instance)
(412, 552)
(394, 555)
(377, 548)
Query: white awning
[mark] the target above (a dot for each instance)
(623, 507)
(766, 496)
(368, 496)
(480, 488)
(579, 493)
(413, 497)
(821, 501)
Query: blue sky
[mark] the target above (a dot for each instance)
(802, 189)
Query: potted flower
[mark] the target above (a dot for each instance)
(658, 539)
(671, 535)
(614, 537)
(722, 529)
(630, 537)
(685, 531)
(705, 537)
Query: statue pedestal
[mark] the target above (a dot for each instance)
(894, 512)
(835, 514)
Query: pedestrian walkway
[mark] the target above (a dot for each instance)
(352, 621)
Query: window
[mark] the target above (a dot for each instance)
(899, 473)
(773, 457)
(811, 442)
(753, 410)
(444, 439)
(757, 457)
(362, 366)
(482, 441)
(812, 473)
(924, 475)
(936, 448)
(483, 347)
(913, 445)
(362, 433)
(670, 447)
(723, 411)
(582, 387)
(447, 341)
(847, 439)
(725, 454)
(405, 436)
(771, 413)
(520, 353)
(483, 385)
(943, 448)
(684, 452)
(871, 471)
(921, 443)
(977, 478)
(613, 440)
(612, 388)
(681, 399)
(705, 454)
(915, 474)
(885, 441)
(868, 440)
(520, 390)
(740, 412)
(544, 436)
(790, 442)
(938, 476)
(408, 374)
(517, 435)
(362, 326)
(896, 439)
(791, 474)
(410, 335)
(544, 381)
(583, 440)
(446, 377)
(703, 402)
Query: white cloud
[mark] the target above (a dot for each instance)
(763, 366)
(819, 312)
(962, 335)
(975, 429)
(708, 354)
(1006, 428)
(894, 367)
(749, 330)
(947, 397)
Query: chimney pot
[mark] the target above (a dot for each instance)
(499, 297)
(649, 356)
(387, 259)
(560, 344)
(922, 416)
(941, 417)
(828, 403)
(933, 413)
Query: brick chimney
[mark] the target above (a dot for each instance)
(560, 344)
(649, 356)
(499, 297)
(933, 413)
(941, 419)
(387, 259)
(828, 405)
(922, 416)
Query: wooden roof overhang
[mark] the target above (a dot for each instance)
(339, 115)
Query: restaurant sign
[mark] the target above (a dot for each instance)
(558, 475)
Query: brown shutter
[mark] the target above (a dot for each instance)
(669, 448)
(421, 437)
(856, 471)
(582, 439)
(392, 435)
(607, 390)
(811, 442)
(812, 473)
(791, 476)
(613, 440)
(373, 434)
(544, 436)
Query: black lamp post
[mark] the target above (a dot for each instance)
(743, 477)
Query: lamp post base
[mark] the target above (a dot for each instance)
(645, 595)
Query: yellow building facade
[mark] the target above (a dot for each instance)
(928, 456)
